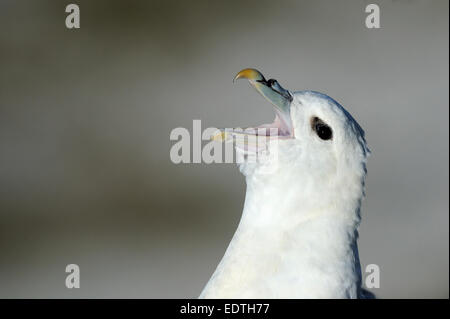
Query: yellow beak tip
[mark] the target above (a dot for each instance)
(219, 137)
(249, 74)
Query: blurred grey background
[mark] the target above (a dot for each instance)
(85, 118)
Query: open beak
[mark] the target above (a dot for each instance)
(279, 97)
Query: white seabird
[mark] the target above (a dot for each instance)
(297, 237)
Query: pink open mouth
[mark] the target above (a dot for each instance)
(257, 138)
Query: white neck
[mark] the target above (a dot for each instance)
(289, 245)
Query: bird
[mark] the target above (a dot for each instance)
(297, 236)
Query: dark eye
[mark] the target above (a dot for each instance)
(322, 130)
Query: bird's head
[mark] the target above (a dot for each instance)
(314, 138)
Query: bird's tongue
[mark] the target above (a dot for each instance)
(254, 139)
(277, 128)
